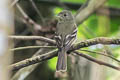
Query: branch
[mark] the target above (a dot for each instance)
(44, 39)
(101, 53)
(14, 3)
(33, 60)
(85, 43)
(27, 20)
(31, 47)
(37, 10)
(97, 61)
(94, 41)
(30, 68)
(26, 17)
(40, 58)
(92, 6)
(82, 44)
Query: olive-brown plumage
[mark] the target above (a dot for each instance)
(66, 32)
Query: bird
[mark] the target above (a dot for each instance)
(65, 36)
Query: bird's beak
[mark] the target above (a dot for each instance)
(58, 17)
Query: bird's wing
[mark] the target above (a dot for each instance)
(70, 39)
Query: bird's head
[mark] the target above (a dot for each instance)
(65, 15)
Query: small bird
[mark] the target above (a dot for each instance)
(66, 32)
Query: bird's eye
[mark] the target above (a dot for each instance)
(65, 15)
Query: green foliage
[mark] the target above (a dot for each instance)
(114, 3)
(115, 23)
(74, 1)
(57, 10)
(52, 63)
(88, 28)
(116, 52)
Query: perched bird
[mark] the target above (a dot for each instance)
(66, 32)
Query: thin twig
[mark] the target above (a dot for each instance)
(32, 47)
(14, 3)
(85, 43)
(22, 12)
(41, 38)
(38, 12)
(97, 61)
(26, 19)
(100, 53)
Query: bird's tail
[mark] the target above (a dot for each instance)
(62, 60)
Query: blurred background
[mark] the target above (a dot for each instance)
(36, 17)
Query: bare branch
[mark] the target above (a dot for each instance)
(101, 53)
(26, 19)
(82, 44)
(97, 61)
(87, 43)
(92, 6)
(30, 68)
(33, 60)
(32, 47)
(50, 55)
(38, 12)
(44, 39)
(94, 41)
(14, 3)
